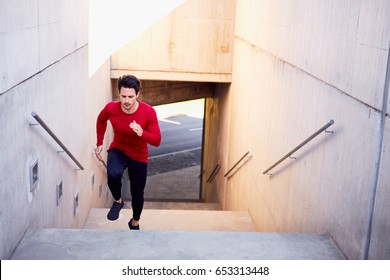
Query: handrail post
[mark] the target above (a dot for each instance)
(300, 146)
(48, 130)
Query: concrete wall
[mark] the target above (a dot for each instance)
(379, 245)
(44, 68)
(296, 66)
(192, 43)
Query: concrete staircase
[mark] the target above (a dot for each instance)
(173, 234)
(173, 219)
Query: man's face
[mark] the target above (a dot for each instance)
(128, 98)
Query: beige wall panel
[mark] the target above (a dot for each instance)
(195, 38)
(215, 130)
(49, 77)
(59, 96)
(320, 191)
(37, 34)
(19, 57)
(333, 41)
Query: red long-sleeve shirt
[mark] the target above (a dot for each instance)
(125, 139)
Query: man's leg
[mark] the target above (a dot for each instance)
(137, 174)
(116, 164)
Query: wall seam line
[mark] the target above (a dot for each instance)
(42, 70)
(309, 74)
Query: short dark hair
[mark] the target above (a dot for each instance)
(129, 81)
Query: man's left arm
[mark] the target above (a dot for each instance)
(152, 134)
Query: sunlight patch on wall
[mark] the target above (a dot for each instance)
(114, 23)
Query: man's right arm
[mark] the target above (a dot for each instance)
(101, 126)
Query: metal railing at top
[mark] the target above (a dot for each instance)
(48, 130)
(265, 172)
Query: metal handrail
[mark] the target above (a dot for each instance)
(213, 173)
(48, 130)
(300, 146)
(237, 163)
(201, 174)
(102, 161)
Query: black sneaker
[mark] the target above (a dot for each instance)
(133, 227)
(116, 207)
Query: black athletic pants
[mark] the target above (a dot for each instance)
(117, 162)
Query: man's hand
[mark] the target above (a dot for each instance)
(136, 128)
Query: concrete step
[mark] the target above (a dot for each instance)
(91, 244)
(177, 205)
(174, 220)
